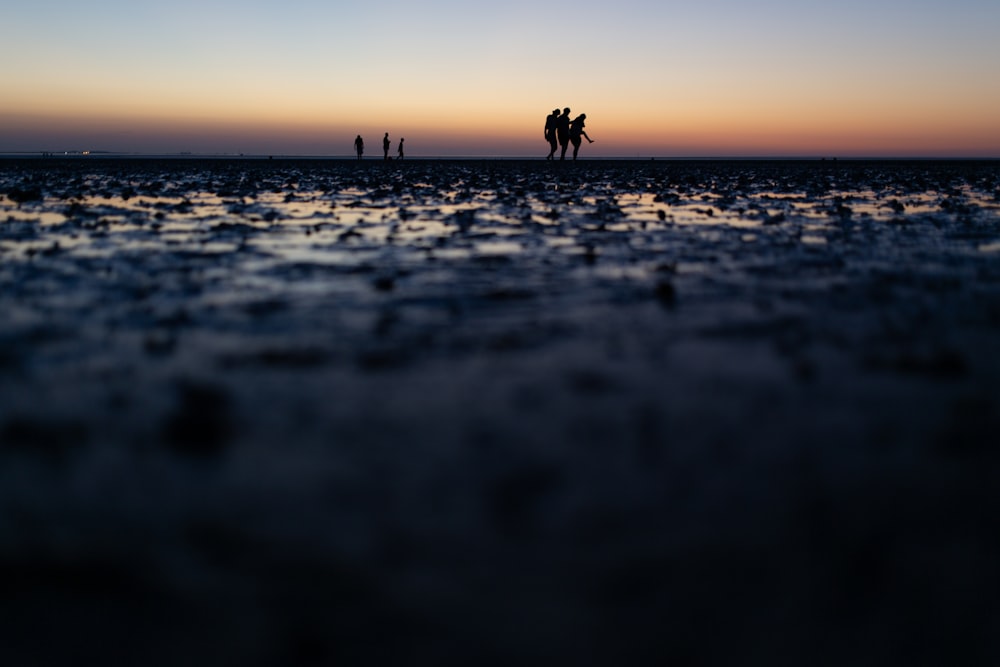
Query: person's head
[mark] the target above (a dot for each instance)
(555, 112)
(583, 116)
(566, 111)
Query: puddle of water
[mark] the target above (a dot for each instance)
(497, 248)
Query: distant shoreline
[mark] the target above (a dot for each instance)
(102, 156)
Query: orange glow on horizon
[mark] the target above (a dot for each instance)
(680, 131)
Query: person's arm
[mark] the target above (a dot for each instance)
(584, 133)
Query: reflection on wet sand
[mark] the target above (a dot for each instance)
(519, 412)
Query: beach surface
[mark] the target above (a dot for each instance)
(310, 412)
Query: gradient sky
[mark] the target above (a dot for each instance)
(655, 78)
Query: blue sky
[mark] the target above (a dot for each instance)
(715, 77)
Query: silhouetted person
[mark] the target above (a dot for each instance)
(359, 146)
(399, 151)
(550, 132)
(575, 132)
(562, 132)
(385, 146)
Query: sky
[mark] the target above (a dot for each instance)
(657, 78)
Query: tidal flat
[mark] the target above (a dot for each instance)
(442, 412)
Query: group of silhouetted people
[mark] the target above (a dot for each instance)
(560, 131)
(359, 147)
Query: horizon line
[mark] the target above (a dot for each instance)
(83, 154)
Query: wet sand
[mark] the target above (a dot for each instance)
(499, 412)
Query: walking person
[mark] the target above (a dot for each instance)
(399, 151)
(550, 133)
(575, 132)
(359, 146)
(562, 132)
(385, 146)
